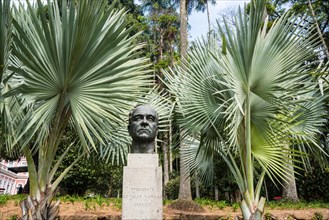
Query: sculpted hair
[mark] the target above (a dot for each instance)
(131, 112)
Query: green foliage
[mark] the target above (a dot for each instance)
(299, 205)
(162, 33)
(245, 105)
(167, 201)
(13, 217)
(235, 206)
(4, 198)
(268, 216)
(99, 200)
(68, 198)
(301, 8)
(317, 216)
(117, 202)
(91, 203)
(211, 203)
(313, 184)
(90, 174)
(172, 188)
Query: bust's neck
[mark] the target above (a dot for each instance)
(143, 147)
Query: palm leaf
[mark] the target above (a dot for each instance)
(256, 92)
(78, 66)
(82, 60)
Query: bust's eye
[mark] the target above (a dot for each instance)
(138, 117)
(151, 118)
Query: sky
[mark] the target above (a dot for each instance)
(198, 20)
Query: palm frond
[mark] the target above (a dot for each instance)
(256, 91)
(5, 36)
(80, 60)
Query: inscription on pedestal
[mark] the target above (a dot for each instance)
(142, 190)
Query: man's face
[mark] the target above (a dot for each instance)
(143, 124)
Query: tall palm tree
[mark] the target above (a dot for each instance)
(73, 66)
(250, 97)
(185, 8)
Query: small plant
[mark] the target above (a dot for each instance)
(117, 202)
(107, 202)
(296, 205)
(235, 207)
(99, 200)
(167, 201)
(87, 205)
(4, 199)
(268, 216)
(221, 204)
(290, 218)
(71, 199)
(228, 217)
(13, 217)
(212, 203)
(93, 206)
(317, 216)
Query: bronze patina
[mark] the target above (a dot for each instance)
(143, 128)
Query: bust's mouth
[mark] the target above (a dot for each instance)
(143, 130)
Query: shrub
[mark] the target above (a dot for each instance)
(172, 188)
(317, 216)
(314, 184)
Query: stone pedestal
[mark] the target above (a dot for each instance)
(142, 188)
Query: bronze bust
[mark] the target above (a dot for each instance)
(143, 128)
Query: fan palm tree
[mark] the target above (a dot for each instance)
(251, 96)
(73, 66)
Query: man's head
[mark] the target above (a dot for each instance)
(143, 124)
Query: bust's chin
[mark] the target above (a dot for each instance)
(143, 138)
(142, 146)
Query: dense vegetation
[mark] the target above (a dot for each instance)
(70, 129)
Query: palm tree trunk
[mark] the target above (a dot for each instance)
(208, 17)
(289, 185)
(165, 159)
(290, 189)
(318, 29)
(249, 168)
(216, 193)
(253, 211)
(197, 187)
(170, 159)
(183, 27)
(266, 191)
(33, 209)
(185, 180)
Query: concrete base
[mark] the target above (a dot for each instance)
(142, 188)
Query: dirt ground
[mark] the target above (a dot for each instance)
(79, 211)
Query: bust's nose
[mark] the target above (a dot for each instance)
(144, 121)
